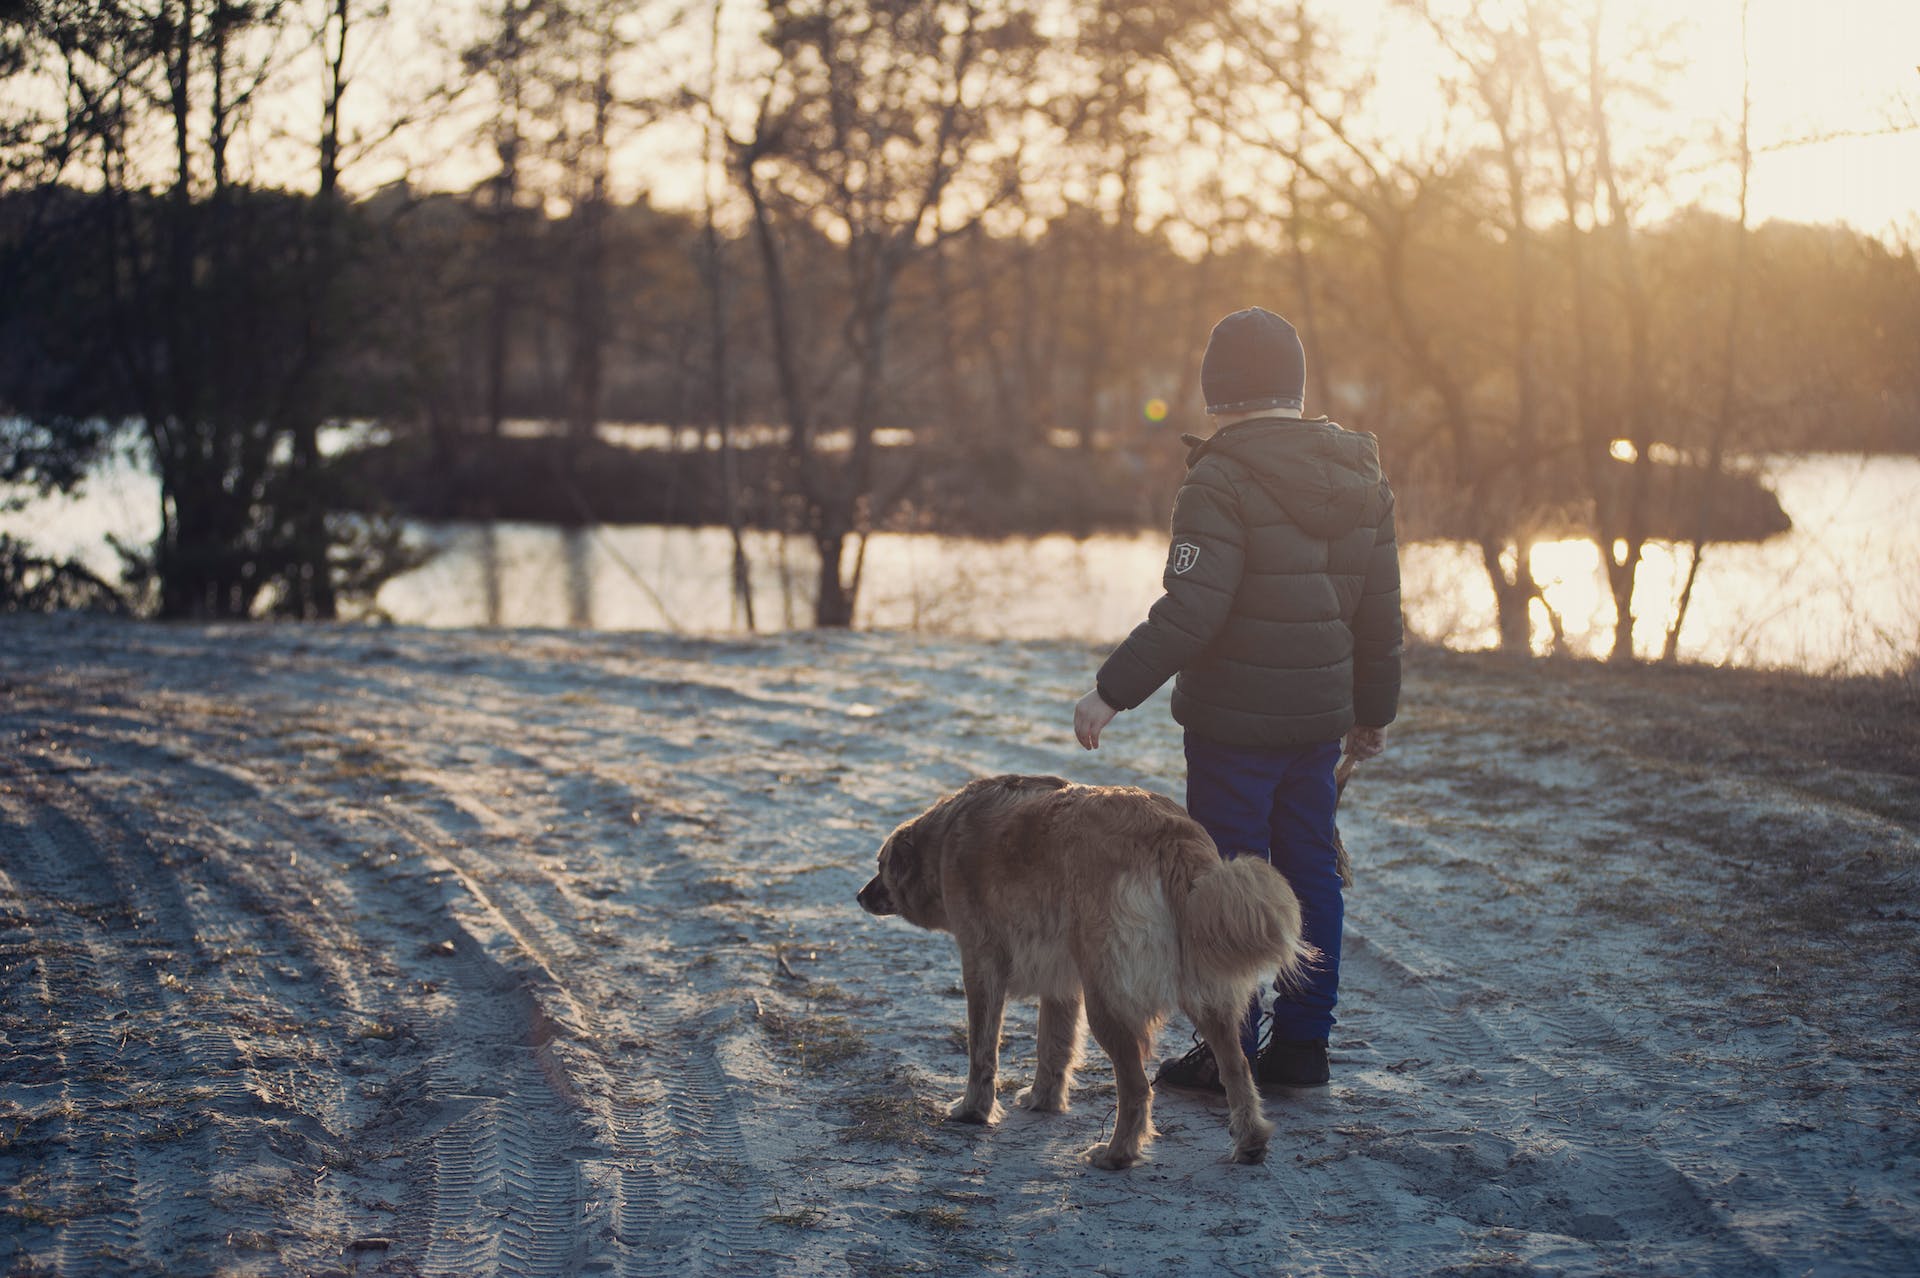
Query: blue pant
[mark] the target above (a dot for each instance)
(1278, 805)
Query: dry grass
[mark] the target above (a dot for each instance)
(892, 1113)
(1853, 740)
(813, 1042)
(939, 1219)
(799, 1218)
(1770, 897)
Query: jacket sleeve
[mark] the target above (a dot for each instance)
(1201, 578)
(1377, 632)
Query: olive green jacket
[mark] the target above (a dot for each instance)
(1281, 616)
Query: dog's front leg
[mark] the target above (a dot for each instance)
(986, 987)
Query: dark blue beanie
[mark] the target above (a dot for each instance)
(1254, 360)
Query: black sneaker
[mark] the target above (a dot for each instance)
(1292, 1063)
(1197, 1071)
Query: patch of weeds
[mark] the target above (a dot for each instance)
(966, 1197)
(941, 1220)
(385, 1031)
(814, 1042)
(799, 1218)
(892, 1115)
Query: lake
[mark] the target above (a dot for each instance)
(1840, 592)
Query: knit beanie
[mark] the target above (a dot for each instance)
(1254, 360)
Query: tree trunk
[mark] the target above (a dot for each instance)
(310, 579)
(1513, 593)
(833, 603)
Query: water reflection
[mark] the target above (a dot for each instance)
(579, 578)
(1841, 591)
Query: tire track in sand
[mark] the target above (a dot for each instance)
(505, 1186)
(681, 1192)
(118, 1034)
(1480, 1166)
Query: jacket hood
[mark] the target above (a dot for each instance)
(1326, 478)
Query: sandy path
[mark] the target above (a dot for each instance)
(457, 953)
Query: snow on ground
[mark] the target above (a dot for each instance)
(395, 951)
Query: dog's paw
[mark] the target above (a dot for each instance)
(1040, 1102)
(965, 1110)
(1251, 1132)
(1106, 1158)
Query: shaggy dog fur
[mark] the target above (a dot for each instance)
(1102, 898)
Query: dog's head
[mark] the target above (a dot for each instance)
(907, 881)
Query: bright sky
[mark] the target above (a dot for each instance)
(1843, 66)
(1818, 69)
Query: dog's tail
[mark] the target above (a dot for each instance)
(1239, 924)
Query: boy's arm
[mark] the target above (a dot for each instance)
(1377, 631)
(1201, 579)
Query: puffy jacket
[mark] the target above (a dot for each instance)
(1281, 616)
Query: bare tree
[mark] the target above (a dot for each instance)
(1615, 392)
(218, 325)
(1399, 201)
(1729, 397)
(873, 119)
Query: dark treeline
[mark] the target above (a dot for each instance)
(942, 277)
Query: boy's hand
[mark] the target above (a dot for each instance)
(1364, 743)
(1089, 717)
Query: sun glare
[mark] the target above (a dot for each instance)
(1835, 90)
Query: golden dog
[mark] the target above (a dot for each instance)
(1102, 897)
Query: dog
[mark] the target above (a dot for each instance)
(1106, 900)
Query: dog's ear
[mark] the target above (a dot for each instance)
(909, 874)
(901, 841)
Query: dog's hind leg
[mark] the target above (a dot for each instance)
(1055, 1056)
(986, 986)
(1128, 1042)
(1250, 1128)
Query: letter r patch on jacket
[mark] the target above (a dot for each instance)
(1185, 555)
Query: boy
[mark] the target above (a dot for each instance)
(1281, 619)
